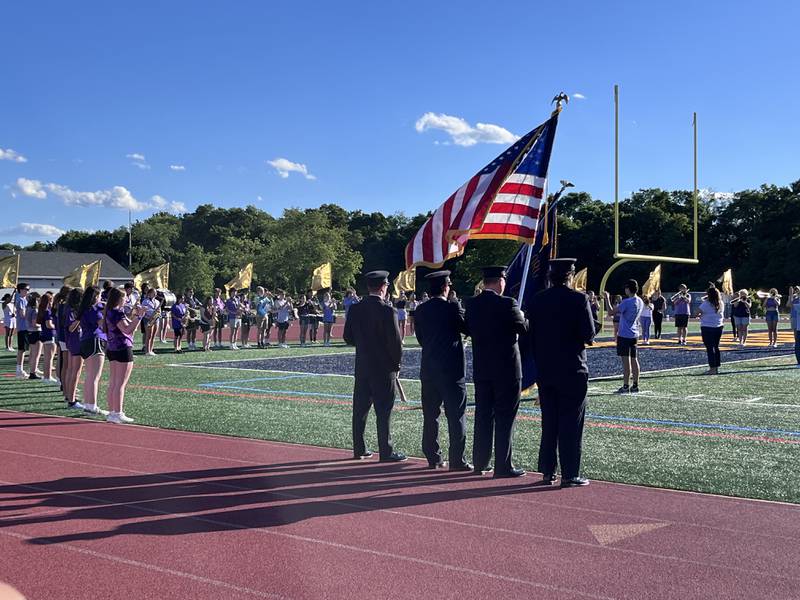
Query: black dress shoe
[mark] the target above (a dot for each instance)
(509, 474)
(437, 465)
(574, 482)
(549, 478)
(463, 467)
(363, 456)
(482, 470)
(395, 457)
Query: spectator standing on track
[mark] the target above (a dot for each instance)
(772, 316)
(34, 336)
(645, 319)
(372, 328)
(9, 321)
(119, 331)
(20, 310)
(629, 310)
(494, 323)
(559, 347)
(712, 317)
(741, 314)
(439, 326)
(681, 303)
(659, 305)
(328, 317)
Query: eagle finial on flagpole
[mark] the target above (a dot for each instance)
(557, 100)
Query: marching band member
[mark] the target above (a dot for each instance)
(681, 302)
(741, 313)
(119, 328)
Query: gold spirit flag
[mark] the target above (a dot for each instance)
(653, 282)
(322, 277)
(155, 277)
(579, 282)
(727, 282)
(243, 280)
(9, 271)
(85, 275)
(406, 281)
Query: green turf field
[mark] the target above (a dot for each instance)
(735, 434)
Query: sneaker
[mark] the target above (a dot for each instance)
(75, 405)
(50, 380)
(33, 376)
(93, 409)
(623, 390)
(119, 418)
(634, 388)
(21, 374)
(151, 354)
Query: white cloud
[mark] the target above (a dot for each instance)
(162, 203)
(138, 160)
(136, 156)
(284, 166)
(259, 198)
(12, 155)
(464, 134)
(31, 187)
(579, 96)
(177, 168)
(40, 230)
(177, 207)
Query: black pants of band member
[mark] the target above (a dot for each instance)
(658, 318)
(563, 413)
(711, 338)
(453, 395)
(797, 346)
(373, 390)
(496, 406)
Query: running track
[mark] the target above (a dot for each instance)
(90, 510)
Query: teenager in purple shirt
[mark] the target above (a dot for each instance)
(93, 347)
(119, 329)
(60, 321)
(44, 317)
(178, 314)
(219, 308)
(72, 339)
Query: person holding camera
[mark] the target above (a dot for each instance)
(119, 333)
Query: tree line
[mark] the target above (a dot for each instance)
(754, 232)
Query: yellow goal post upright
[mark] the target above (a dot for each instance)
(621, 257)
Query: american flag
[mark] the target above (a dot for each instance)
(500, 202)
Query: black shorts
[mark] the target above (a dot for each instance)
(681, 320)
(178, 331)
(626, 346)
(91, 347)
(124, 356)
(34, 337)
(22, 341)
(205, 327)
(283, 326)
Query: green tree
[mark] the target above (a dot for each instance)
(192, 268)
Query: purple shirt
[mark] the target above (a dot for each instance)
(90, 323)
(681, 306)
(178, 312)
(232, 306)
(73, 337)
(117, 339)
(48, 334)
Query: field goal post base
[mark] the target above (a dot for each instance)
(624, 259)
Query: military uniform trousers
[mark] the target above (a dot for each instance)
(452, 394)
(496, 406)
(563, 412)
(373, 390)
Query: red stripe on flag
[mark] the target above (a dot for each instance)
(447, 224)
(427, 241)
(523, 189)
(505, 229)
(488, 196)
(514, 209)
(468, 191)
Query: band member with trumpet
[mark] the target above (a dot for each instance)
(179, 314)
(208, 322)
(371, 326)
(741, 314)
(772, 302)
(682, 302)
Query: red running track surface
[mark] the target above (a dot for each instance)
(92, 510)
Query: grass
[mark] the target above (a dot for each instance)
(736, 434)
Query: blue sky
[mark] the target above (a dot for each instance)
(167, 105)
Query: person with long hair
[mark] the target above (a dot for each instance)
(772, 316)
(682, 302)
(178, 315)
(9, 321)
(411, 307)
(659, 305)
(208, 321)
(20, 311)
(60, 320)
(72, 338)
(93, 347)
(34, 336)
(234, 314)
(219, 323)
(193, 307)
(712, 317)
(263, 304)
(283, 313)
(302, 313)
(645, 319)
(47, 337)
(613, 309)
(119, 330)
(741, 313)
(314, 315)
(152, 313)
(245, 309)
(328, 318)
(400, 304)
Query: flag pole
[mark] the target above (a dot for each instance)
(558, 100)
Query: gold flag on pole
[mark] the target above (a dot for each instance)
(579, 281)
(406, 281)
(322, 277)
(9, 271)
(727, 282)
(243, 280)
(85, 275)
(653, 282)
(155, 277)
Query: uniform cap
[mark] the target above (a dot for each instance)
(494, 272)
(438, 275)
(562, 265)
(375, 277)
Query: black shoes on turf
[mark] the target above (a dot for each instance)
(574, 482)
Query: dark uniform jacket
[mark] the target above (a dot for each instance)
(371, 327)
(494, 322)
(438, 326)
(561, 326)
